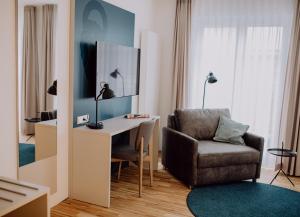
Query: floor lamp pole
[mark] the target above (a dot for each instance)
(97, 112)
(204, 92)
(123, 84)
(97, 125)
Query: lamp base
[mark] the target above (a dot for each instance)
(95, 126)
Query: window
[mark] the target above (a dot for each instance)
(246, 46)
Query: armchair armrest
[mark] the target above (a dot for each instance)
(256, 142)
(179, 155)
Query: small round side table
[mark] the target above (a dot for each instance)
(281, 152)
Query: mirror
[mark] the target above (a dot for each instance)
(37, 95)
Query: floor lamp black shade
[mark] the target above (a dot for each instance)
(52, 90)
(115, 75)
(209, 79)
(106, 93)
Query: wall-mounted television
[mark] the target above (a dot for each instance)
(119, 67)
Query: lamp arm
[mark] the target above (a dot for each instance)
(204, 92)
(100, 94)
(97, 100)
(97, 111)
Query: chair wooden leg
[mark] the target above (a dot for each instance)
(140, 177)
(151, 172)
(119, 172)
(141, 166)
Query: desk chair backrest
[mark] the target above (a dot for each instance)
(145, 131)
(48, 115)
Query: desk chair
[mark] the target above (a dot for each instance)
(142, 152)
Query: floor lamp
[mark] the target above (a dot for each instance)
(209, 79)
(115, 75)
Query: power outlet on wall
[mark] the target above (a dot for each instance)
(83, 119)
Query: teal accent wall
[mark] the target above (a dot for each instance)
(96, 20)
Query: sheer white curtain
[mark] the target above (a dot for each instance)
(245, 43)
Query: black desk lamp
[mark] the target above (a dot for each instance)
(52, 90)
(115, 75)
(106, 93)
(46, 115)
(210, 79)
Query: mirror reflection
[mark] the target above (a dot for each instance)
(37, 80)
(118, 69)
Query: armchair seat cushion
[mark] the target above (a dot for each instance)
(218, 154)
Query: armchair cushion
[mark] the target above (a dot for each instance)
(218, 154)
(230, 131)
(200, 124)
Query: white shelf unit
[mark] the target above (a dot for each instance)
(19, 199)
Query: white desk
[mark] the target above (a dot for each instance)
(45, 139)
(91, 158)
(19, 199)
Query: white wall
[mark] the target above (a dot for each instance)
(8, 89)
(149, 74)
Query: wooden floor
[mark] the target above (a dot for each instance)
(167, 197)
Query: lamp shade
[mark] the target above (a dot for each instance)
(108, 93)
(52, 90)
(115, 73)
(211, 78)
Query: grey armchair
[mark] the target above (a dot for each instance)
(190, 154)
